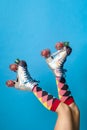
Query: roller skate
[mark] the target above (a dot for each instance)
(56, 60)
(23, 81)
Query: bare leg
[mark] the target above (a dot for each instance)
(75, 115)
(68, 117)
(65, 119)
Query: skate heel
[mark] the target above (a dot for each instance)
(69, 50)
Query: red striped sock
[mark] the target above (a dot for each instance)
(63, 91)
(48, 101)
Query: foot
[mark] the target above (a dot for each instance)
(24, 80)
(56, 60)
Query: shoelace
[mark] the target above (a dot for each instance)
(56, 53)
(62, 61)
(27, 77)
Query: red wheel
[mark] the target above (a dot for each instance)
(59, 45)
(13, 67)
(10, 83)
(45, 53)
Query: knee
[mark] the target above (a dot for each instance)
(64, 109)
(75, 110)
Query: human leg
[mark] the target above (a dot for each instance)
(64, 120)
(68, 99)
(56, 62)
(65, 95)
(25, 82)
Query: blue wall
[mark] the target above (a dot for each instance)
(27, 27)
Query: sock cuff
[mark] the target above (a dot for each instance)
(58, 78)
(61, 79)
(34, 87)
(69, 101)
(55, 105)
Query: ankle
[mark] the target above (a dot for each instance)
(57, 73)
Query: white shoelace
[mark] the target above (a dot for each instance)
(61, 63)
(26, 76)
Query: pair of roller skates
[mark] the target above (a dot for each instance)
(55, 61)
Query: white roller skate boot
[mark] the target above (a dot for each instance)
(24, 81)
(56, 60)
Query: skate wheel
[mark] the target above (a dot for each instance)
(13, 67)
(59, 45)
(45, 53)
(10, 83)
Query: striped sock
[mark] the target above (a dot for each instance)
(48, 101)
(63, 91)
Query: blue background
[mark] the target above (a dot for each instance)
(26, 28)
